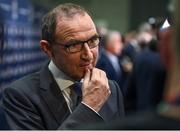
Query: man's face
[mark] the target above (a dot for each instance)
(78, 28)
(115, 44)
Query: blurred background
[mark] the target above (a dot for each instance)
(122, 15)
(20, 53)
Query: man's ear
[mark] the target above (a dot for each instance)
(45, 46)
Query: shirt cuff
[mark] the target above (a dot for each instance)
(91, 108)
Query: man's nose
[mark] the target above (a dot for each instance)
(86, 52)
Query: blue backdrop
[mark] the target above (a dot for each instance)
(20, 53)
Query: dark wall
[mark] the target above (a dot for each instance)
(113, 13)
(141, 10)
(122, 15)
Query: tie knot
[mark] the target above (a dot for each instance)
(77, 88)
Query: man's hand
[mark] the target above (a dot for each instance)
(95, 89)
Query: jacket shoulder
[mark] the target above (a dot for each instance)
(26, 83)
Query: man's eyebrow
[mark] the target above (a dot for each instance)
(74, 41)
(94, 36)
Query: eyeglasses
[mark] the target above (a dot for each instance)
(77, 46)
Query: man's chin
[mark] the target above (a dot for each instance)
(79, 77)
(81, 74)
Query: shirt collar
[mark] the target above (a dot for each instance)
(61, 78)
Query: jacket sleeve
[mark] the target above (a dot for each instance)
(85, 118)
(81, 116)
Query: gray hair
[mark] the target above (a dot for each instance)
(49, 21)
(109, 36)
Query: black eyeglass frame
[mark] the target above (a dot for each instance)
(77, 42)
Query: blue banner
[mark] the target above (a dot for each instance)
(20, 52)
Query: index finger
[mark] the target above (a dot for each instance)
(86, 77)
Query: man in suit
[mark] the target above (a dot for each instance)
(108, 60)
(144, 88)
(43, 100)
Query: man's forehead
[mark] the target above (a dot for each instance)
(62, 18)
(74, 26)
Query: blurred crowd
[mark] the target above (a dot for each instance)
(134, 61)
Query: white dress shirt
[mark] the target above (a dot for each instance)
(63, 82)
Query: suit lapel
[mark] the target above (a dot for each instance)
(53, 96)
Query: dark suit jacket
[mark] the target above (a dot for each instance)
(3, 121)
(105, 64)
(129, 51)
(146, 84)
(36, 102)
